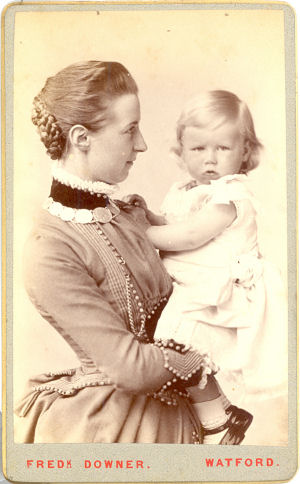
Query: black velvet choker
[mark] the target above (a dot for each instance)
(75, 198)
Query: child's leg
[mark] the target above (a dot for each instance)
(225, 401)
(223, 423)
(209, 406)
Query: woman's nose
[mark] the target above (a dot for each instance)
(140, 144)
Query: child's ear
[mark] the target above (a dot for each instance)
(180, 163)
(247, 151)
(176, 154)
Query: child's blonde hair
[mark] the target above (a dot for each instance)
(211, 109)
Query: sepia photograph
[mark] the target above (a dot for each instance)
(150, 210)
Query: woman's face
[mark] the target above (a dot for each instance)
(114, 148)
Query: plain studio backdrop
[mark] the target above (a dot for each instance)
(172, 55)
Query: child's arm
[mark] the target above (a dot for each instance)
(194, 232)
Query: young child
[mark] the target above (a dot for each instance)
(227, 301)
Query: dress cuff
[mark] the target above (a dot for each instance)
(189, 367)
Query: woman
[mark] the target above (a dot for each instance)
(93, 275)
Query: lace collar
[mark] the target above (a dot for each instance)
(68, 179)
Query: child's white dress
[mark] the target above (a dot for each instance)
(227, 300)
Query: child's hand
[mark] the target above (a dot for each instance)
(140, 214)
(136, 200)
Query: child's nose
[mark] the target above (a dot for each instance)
(211, 157)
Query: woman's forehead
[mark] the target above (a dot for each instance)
(125, 108)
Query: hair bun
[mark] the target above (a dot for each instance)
(49, 130)
(78, 95)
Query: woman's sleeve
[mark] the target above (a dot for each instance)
(65, 294)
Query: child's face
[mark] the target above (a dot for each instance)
(210, 153)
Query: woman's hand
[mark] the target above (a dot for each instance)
(137, 200)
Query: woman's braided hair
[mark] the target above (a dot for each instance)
(79, 94)
(50, 132)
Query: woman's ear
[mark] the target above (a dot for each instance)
(79, 137)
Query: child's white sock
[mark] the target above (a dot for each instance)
(212, 415)
(214, 438)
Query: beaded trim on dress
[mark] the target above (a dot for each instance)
(82, 215)
(75, 205)
(68, 179)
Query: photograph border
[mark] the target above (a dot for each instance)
(289, 453)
